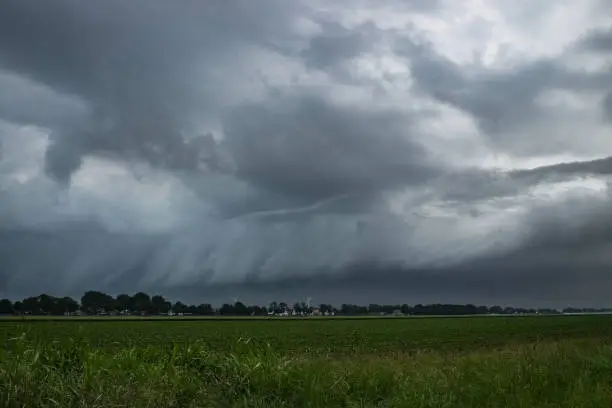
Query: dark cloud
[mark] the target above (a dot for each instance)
(607, 107)
(562, 170)
(498, 102)
(599, 41)
(562, 260)
(337, 44)
(525, 278)
(311, 149)
(24, 101)
(476, 185)
(274, 149)
(133, 64)
(63, 254)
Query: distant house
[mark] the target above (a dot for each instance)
(397, 312)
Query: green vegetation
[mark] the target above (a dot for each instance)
(547, 361)
(95, 303)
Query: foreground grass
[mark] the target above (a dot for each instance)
(574, 373)
(464, 362)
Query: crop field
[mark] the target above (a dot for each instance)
(536, 361)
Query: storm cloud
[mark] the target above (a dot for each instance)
(255, 146)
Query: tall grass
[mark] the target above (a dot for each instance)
(249, 373)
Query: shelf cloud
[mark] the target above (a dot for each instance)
(250, 146)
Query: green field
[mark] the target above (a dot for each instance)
(545, 361)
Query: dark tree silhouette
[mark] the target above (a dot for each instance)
(226, 310)
(205, 309)
(160, 305)
(93, 302)
(6, 306)
(65, 305)
(141, 302)
(179, 307)
(31, 305)
(122, 302)
(240, 309)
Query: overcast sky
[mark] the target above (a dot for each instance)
(351, 150)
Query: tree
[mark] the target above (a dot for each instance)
(67, 304)
(47, 304)
(374, 308)
(18, 307)
(160, 305)
(348, 309)
(227, 309)
(388, 309)
(257, 310)
(141, 302)
(95, 302)
(326, 308)
(482, 310)
(122, 303)
(6, 306)
(205, 309)
(31, 305)
(496, 310)
(241, 309)
(179, 307)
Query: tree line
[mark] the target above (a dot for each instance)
(99, 303)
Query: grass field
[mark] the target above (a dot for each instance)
(546, 361)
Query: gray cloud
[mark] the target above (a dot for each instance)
(278, 147)
(311, 149)
(504, 103)
(23, 101)
(563, 170)
(65, 253)
(337, 44)
(133, 65)
(599, 41)
(607, 106)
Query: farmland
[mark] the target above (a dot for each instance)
(395, 362)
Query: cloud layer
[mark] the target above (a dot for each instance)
(436, 146)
